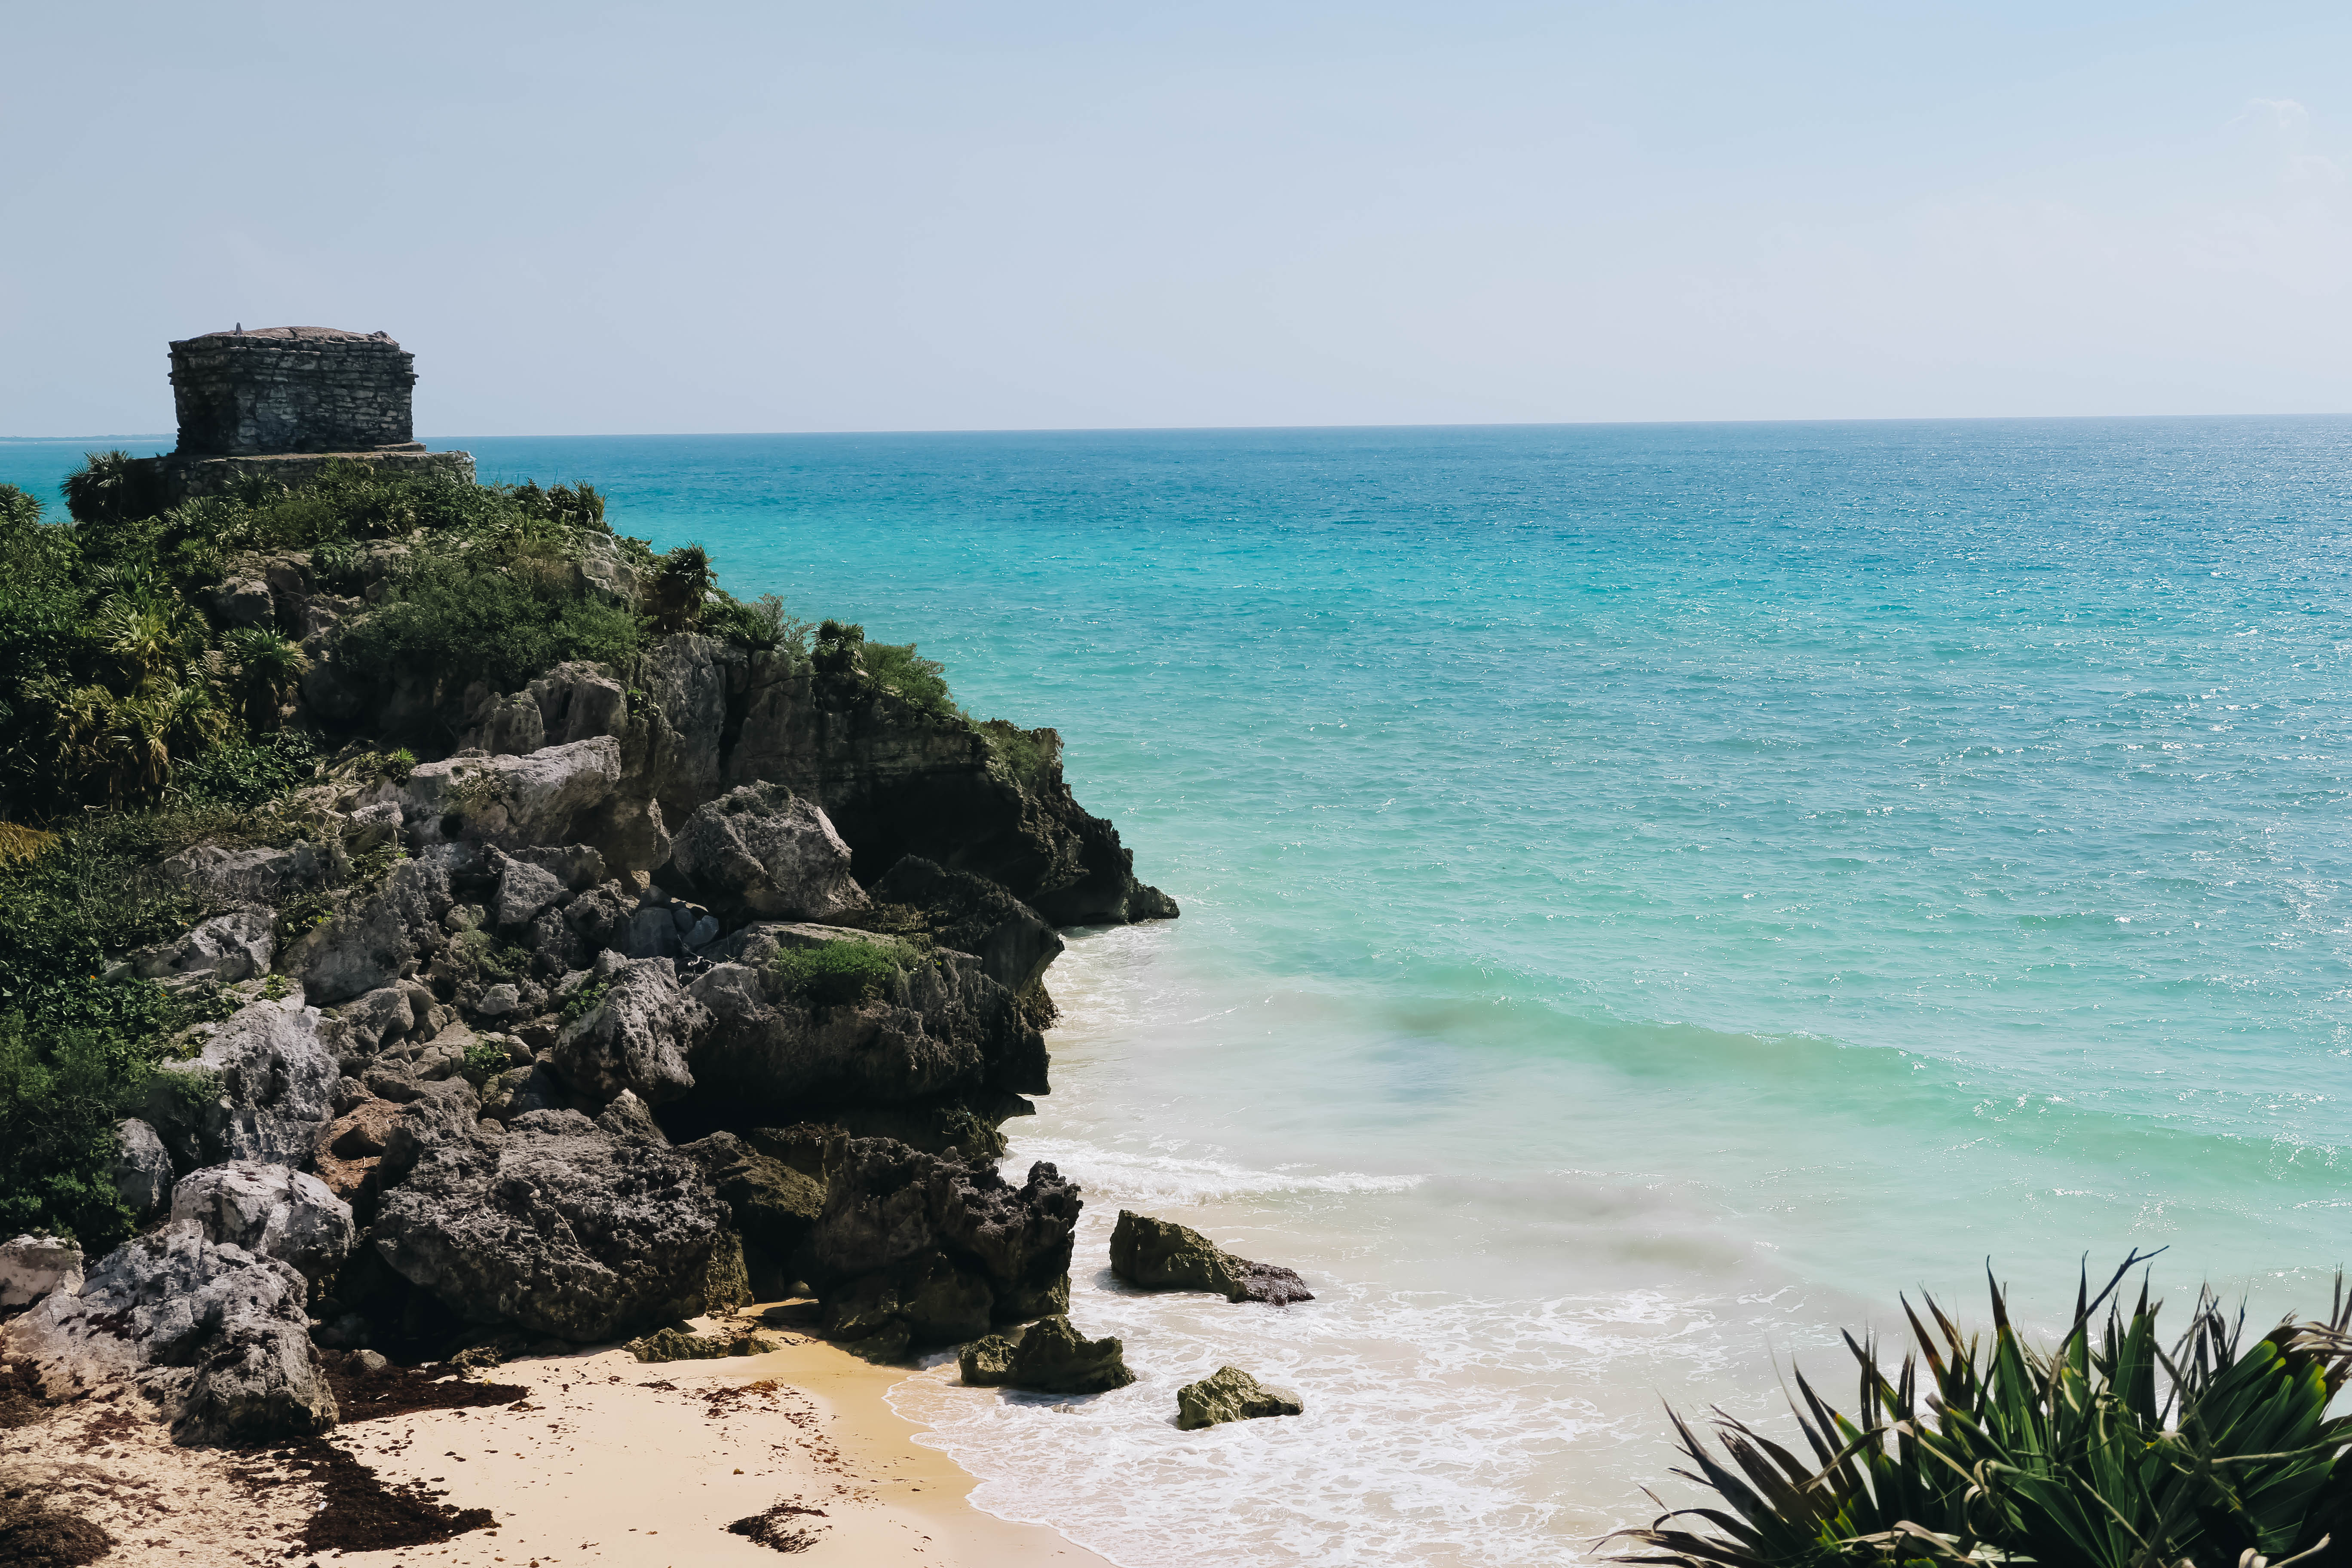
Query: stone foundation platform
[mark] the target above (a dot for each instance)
(180, 478)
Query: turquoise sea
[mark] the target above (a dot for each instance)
(1651, 894)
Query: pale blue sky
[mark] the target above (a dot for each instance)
(711, 217)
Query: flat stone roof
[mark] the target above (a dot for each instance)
(302, 335)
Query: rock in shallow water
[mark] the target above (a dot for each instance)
(1160, 1255)
(1047, 1356)
(1229, 1394)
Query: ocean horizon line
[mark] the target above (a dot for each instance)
(1894, 419)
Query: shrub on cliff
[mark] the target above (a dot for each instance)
(838, 973)
(760, 626)
(77, 1049)
(498, 614)
(895, 669)
(2109, 1452)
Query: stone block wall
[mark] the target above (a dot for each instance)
(291, 389)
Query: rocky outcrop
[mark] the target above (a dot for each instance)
(1047, 1356)
(142, 1168)
(176, 1299)
(380, 937)
(349, 1150)
(914, 1249)
(973, 915)
(775, 1206)
(512, 802)
(270, 1083)
(556, 1223)
(894, 780)
(943, 1029)
(257, 876)
(238, 945)
(638, 1036)
(761, 850)
(270, 1211)
(1229, 1394)
(1159, 1255)
(31, 1267)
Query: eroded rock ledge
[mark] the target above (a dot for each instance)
(711, 976)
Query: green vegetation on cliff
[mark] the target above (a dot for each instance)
(149, 686)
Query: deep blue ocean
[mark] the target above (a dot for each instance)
(1651, 893)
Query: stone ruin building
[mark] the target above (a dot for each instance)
(285, 402)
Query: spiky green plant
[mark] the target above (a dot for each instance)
(682, 581)
(262, 671)
(2111, 1452)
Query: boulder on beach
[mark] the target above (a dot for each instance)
(175, 1300)
(31, 1267)
(1047, 1356)
(914, 1249)
(272, 1210)
(1159, 1255)
(560, 1223)
(681, 1344)
(1229, 1394)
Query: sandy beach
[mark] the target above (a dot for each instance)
(603, 1459)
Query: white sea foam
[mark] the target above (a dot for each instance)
(1439, 1428)
(1173, 1178)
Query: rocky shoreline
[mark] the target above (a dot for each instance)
(656, 989)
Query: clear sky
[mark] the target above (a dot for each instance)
(709, 217)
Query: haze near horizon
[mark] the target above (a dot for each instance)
(723, 218)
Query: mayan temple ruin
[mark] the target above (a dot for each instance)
(283, 402)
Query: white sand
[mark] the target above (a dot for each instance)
(605, 1465)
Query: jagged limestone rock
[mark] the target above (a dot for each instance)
(272, 1079)
(974, 915)
(942, 1030)
(142, 1169)
(1229, 1394)
(524, 890)
(174, 1298)
(936, 1250)
(31, 1267)
(237, 945)
(1047, 1356)
(376, 939)
(1160, 1255)
(761, 848)
(258, 876)
(271, 1211)
(775, 1206)
(638, 1037)
(556, 1223)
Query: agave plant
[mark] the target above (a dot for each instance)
(682, 580)
(261, 671)
(110, 486)
(100, 745)
(2110, 1452)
